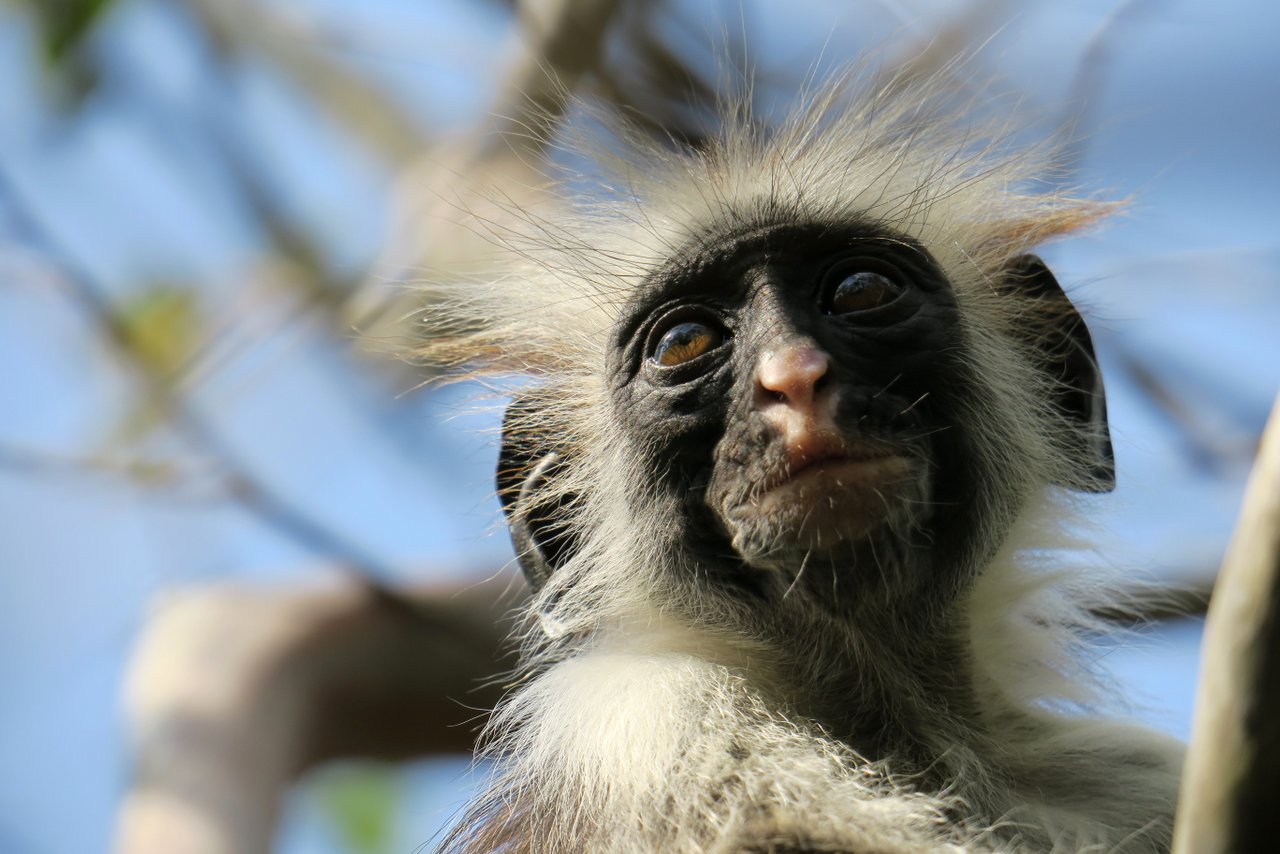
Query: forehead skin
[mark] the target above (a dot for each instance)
(722, 269)
(719, 253)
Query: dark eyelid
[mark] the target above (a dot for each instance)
(861, 264)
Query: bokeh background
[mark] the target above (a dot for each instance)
(207, 208)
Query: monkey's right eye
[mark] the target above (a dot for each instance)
(685, 342)
(860, 291)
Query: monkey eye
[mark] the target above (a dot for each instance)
(859, 292)
(685, 342)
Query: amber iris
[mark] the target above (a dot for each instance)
(685, 342)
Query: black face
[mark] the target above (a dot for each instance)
(791, 386)
(797, 391)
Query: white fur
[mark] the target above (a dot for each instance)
(643, 723)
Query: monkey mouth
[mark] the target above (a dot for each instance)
(826, 490)
(819, 494)
(819, 455)
(825, 506)
(836, 478)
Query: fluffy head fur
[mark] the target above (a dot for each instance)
(651, 716)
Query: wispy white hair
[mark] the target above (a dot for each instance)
(632, 728)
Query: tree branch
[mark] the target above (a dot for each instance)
(1228, 801)
(564, 40)
(235, 691)
(252, 494)
(361, 107)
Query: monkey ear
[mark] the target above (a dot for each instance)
(1064, 341)
(540, 531)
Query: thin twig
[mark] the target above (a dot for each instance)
(1173, 602)
(1204, 444)
(1091, 72)
(360, 106)
(249, 490)
(563, 41)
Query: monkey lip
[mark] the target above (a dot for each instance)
(824, 491)
(812, 455)
(837, 471)
(826, 503)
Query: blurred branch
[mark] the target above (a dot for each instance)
(362, 108)
(1173, 602)
(1204, 444)
(319, 285)
(296, 260)
(234, 692)
(564, 39)
(38, 461)
(251, 493)
(659, 90)
(1232, 774)
(947, 46)
(1086, 86)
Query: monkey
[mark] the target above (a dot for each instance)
(806, 420)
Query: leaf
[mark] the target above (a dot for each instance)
(65, 23)
(163, 325)
(361, 801)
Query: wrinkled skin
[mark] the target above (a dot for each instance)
(808, 441)
(798, 392)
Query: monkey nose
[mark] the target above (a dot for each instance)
(791, 375)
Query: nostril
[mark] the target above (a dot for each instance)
(792, 374)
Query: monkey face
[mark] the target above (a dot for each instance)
(802, 406)
(786, 383)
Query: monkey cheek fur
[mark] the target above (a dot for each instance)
(825, 511)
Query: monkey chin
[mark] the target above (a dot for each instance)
(826, 510)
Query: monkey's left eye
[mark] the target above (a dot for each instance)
(859, 292)
(685, 342)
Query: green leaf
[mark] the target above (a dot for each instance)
(361, 800)
(65, 23)
(163, 325)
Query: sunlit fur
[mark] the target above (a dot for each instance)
(644, 718)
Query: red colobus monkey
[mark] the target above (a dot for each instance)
(808, 415)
